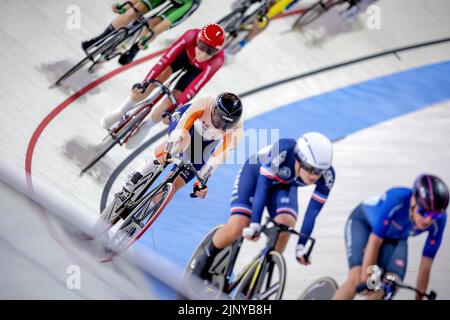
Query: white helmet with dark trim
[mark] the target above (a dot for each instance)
(315, 152)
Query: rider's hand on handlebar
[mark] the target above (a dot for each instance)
(362, 288)
(163, 157)
(199, 190)
(300, 254)
(115, 7)
(140, 87)
(252, 231)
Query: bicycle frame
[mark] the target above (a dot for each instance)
(260, 260)
(239, 18)
(139, 214)
(132, 33)
(182, 165)
(146, 107)
(324, 5)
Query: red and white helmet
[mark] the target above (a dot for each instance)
(213, 35)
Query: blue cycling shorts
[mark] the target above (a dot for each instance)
(393, 252)
(281, 199)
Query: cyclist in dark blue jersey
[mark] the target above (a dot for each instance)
(270, 179)
(376, 233)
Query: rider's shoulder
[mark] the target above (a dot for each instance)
(205, 103)
(191, 34)
(399, 192)
(397, 195)
(327, 179)
(287, 143)
(219, 59)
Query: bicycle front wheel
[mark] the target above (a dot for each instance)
(141, 218)
(266, 282)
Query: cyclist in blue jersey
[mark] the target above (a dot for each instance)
(376, 233)
(270, 179)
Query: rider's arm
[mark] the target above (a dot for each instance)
(430, 249)
(370, 255)
(170, 54)
(207, 73)
(318, 199)
(434, 239)
(391, 203)
(194, 112)
(228, 143)
(424, 275)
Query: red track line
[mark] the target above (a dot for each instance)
(288, 14)
(55, 112)
(44, 123)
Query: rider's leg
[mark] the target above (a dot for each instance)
(135, 140)
(119, 22)
(347, 290)
(392, 258)
(282, 205)
(149, 165)
(158, 110)
(231, 231)
(223, 237)
(181, 62)
(129, 55)
(123, 20)
(170, 17)
(135, 97)
(288, 220)
(240, 209)
(357, 231)
(144, 169)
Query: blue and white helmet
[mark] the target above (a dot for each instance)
(315, 149)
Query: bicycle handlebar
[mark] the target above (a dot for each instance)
(389, 294)
(164, 89)
(430, 296)
(178, 161)
(121, 7)
(283, 228)
(122, 10)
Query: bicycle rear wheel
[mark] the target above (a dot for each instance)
(112, 141)
(141, 218)
(205, 241)
(267, 284)
(115, 39)
(214, 289)
(321, 289)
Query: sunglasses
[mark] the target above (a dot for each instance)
(220, 123)
(310, 169)
(206, 48)
(433, 214)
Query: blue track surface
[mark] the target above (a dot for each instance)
(338, 113)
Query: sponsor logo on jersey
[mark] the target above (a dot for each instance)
(329, 179)
(285, 200)
(279, 158)
(400, 263)
(284, 172)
